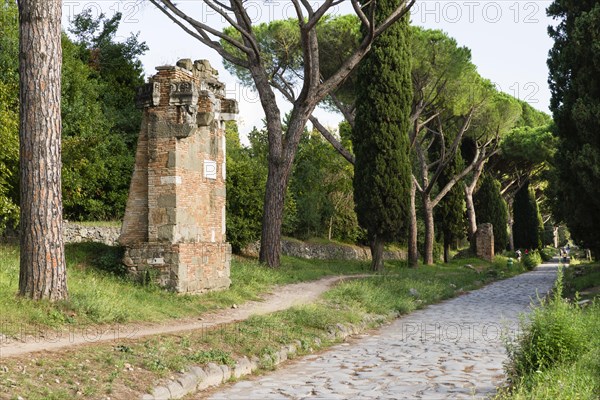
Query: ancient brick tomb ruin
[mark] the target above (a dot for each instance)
(174, 225)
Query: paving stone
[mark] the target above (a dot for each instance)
(452, 352)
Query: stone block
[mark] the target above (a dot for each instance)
(214, 374)
(167, 200)
(188, 382)
(176, 391)
(226, 372)
(205, 118)
(161, 392)
(198, 373)
(185, 63)
(242, 367)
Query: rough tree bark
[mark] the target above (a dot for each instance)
(469, 191)
(377, 245)
(42, 266)
(413, 253)
(429, 229)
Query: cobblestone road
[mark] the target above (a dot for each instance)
(445, 351)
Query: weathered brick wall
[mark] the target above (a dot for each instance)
(175, 218)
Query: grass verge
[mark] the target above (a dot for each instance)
(100, 292)
(127, 368)
(558, 354)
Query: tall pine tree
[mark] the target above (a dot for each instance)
(492, 208)
(575, 85)
(382, 176)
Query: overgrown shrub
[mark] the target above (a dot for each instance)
(547, 253)
(555, 333)
(532, 260)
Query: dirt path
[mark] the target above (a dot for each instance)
(281, 298)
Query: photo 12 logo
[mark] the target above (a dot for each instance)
(527, 12)
(260, 11)
(129, 9)
(527, 92)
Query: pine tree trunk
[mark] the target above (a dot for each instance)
(429, 231)
(471, 217)
(42, 265)
(377, 254)
(511, 238)
(270, 244)
(413, 254)
(446, 249)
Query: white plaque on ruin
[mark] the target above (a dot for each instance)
(210, 169)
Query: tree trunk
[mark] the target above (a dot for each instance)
(413, 254)
(429, 230)
(511, 238)
(471, 216)
(42, 265)
(377, 254)
(270, 244)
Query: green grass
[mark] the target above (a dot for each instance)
(581, 277)
(558, 354)
(98, 224)
(101, 293)
(161, 356)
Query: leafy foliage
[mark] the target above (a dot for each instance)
(246, 179)
(319, 200)
(532, 259)
(100, 122)
(9, 115)
(281, 52)
(575, 103)
(556, 334)
(492, 208)
(322, 188)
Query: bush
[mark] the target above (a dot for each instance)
(554, 334)
(547, 253)
(532, 260)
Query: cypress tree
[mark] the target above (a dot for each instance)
(382, 176)
(526, 228)
(575, 85)
(491, 208)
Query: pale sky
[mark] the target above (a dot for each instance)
(508, 40)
